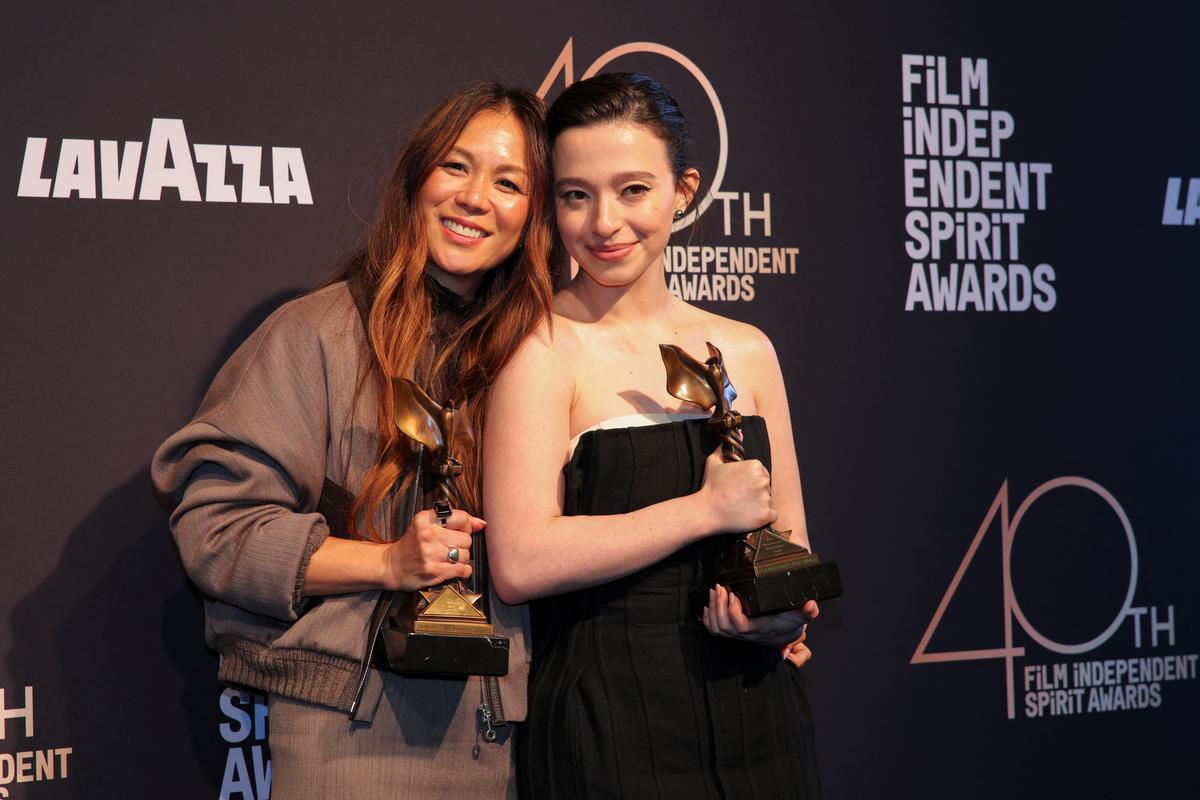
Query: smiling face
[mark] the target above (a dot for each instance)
(476, 201)
(616, 196)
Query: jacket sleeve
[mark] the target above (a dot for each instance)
(248, 470)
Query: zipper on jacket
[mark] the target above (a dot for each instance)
(379, 616)
(491, 710)
(491, 706)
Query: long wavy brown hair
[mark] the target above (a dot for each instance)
(388, 274)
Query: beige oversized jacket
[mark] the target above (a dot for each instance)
(247, 472)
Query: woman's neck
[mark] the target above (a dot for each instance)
(646, 298)
(462, 285)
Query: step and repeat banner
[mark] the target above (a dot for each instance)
(973, 235)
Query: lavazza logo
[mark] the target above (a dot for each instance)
(1186, 212)
(703, 272)
(1065, 680)
(164, 162)
(967, 205)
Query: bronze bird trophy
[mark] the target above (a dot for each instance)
(443, 630)
(763, 568)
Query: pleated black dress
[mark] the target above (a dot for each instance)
(630, 696)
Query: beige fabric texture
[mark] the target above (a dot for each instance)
(285, 412)
(421, 744)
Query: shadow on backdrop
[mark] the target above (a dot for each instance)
(113, 642)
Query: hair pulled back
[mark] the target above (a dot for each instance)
(624, 97)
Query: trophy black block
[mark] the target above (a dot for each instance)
(446, 655)
(786, 589)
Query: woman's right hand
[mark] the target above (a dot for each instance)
(420, 558)
(738, 493)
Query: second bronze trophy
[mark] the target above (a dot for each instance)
(763, 568)
(443, 630)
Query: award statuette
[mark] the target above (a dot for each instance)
(443, 630)
(766, 571)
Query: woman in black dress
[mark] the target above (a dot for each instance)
(637, 690)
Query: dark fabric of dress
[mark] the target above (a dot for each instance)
(630, 696)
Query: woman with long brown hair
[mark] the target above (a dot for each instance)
(291, 481)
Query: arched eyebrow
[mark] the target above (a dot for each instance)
(469, 156)
(620, 177)
(639, 175)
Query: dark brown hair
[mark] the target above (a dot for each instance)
(624, 97)
(389, 272)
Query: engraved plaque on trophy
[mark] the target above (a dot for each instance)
(763, 568)
(443, 630)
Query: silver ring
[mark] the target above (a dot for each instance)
(452, 556)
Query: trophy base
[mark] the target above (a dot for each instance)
(773, 588)
(439, 632)
(442, 654)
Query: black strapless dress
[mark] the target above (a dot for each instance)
(630, 696)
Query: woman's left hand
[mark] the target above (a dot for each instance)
(724, 617)
(797, 652)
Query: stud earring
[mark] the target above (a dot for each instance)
(678, 214)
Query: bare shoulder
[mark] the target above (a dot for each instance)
(551, 347)
(568, 319)
(740, 342)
